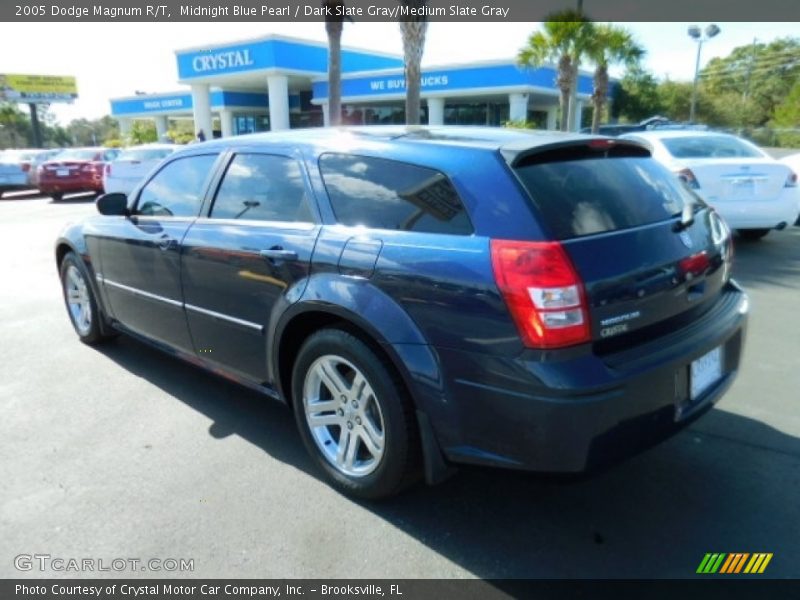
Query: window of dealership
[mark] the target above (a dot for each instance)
(276, 82)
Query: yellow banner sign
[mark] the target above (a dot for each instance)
(37, 88)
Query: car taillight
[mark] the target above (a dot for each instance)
(722, 238)
(694, 265)
(88, 168)
(543, 292)
(791, 181)
(687, 177)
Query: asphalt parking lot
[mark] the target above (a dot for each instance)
(121, 451)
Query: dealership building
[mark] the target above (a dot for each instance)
(277, 82)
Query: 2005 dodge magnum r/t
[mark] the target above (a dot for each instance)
(423, 297)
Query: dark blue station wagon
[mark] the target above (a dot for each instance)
(426, 297)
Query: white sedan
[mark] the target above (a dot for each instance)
(752, 191)
(132, 165)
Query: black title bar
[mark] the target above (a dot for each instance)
(708, 588)
(393, 10)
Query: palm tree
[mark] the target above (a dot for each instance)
(610, 45)
(334, 24)
(565, 37)
(413, 30)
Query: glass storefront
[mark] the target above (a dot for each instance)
(250, 124)
(464, 113)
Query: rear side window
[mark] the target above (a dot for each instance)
(387, 194)
(596, 195)
(709, 146)
(177, 189)
(262, 187)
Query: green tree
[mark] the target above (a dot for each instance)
(786, 119)
(636, 97)
(756, 78)
(609, 45)
(564, 39)
(413, 29)
(143, 132)
(15, 128)
(83, 132)
(675, 98)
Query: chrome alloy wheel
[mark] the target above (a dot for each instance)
(80, 306)
(344, 416)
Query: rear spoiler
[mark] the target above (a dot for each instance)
(573, 147)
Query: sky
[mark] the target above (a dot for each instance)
(117, 59)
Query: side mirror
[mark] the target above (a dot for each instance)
(113, 205)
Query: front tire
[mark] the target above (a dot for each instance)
(354, 416)
(80, 301)
(753, 234)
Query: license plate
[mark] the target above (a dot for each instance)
(744, 190)
(704, 372)
(62, 173)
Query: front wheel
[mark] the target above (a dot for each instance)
(354, 416)
(80, 301)
(753, 234)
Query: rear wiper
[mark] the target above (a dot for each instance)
(687, 217)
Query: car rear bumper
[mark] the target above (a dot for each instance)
(90, 183)
(761, 214)
(568, 416)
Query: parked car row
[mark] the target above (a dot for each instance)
(62, 171)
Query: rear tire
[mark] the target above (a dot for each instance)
(354, 416)
(753, 234)
(80, 301)
(57, 197)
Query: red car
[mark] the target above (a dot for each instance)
(74, 170)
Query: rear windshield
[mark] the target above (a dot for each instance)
(145, 154)
(596, 195)
(78, 155)
(709, 146)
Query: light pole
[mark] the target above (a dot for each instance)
(700, 37)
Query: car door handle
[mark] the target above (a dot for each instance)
(166, 243)
(278, 253)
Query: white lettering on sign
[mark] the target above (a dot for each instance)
(434, 80)
(377, 85)
(220, 61)
(166, 103)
